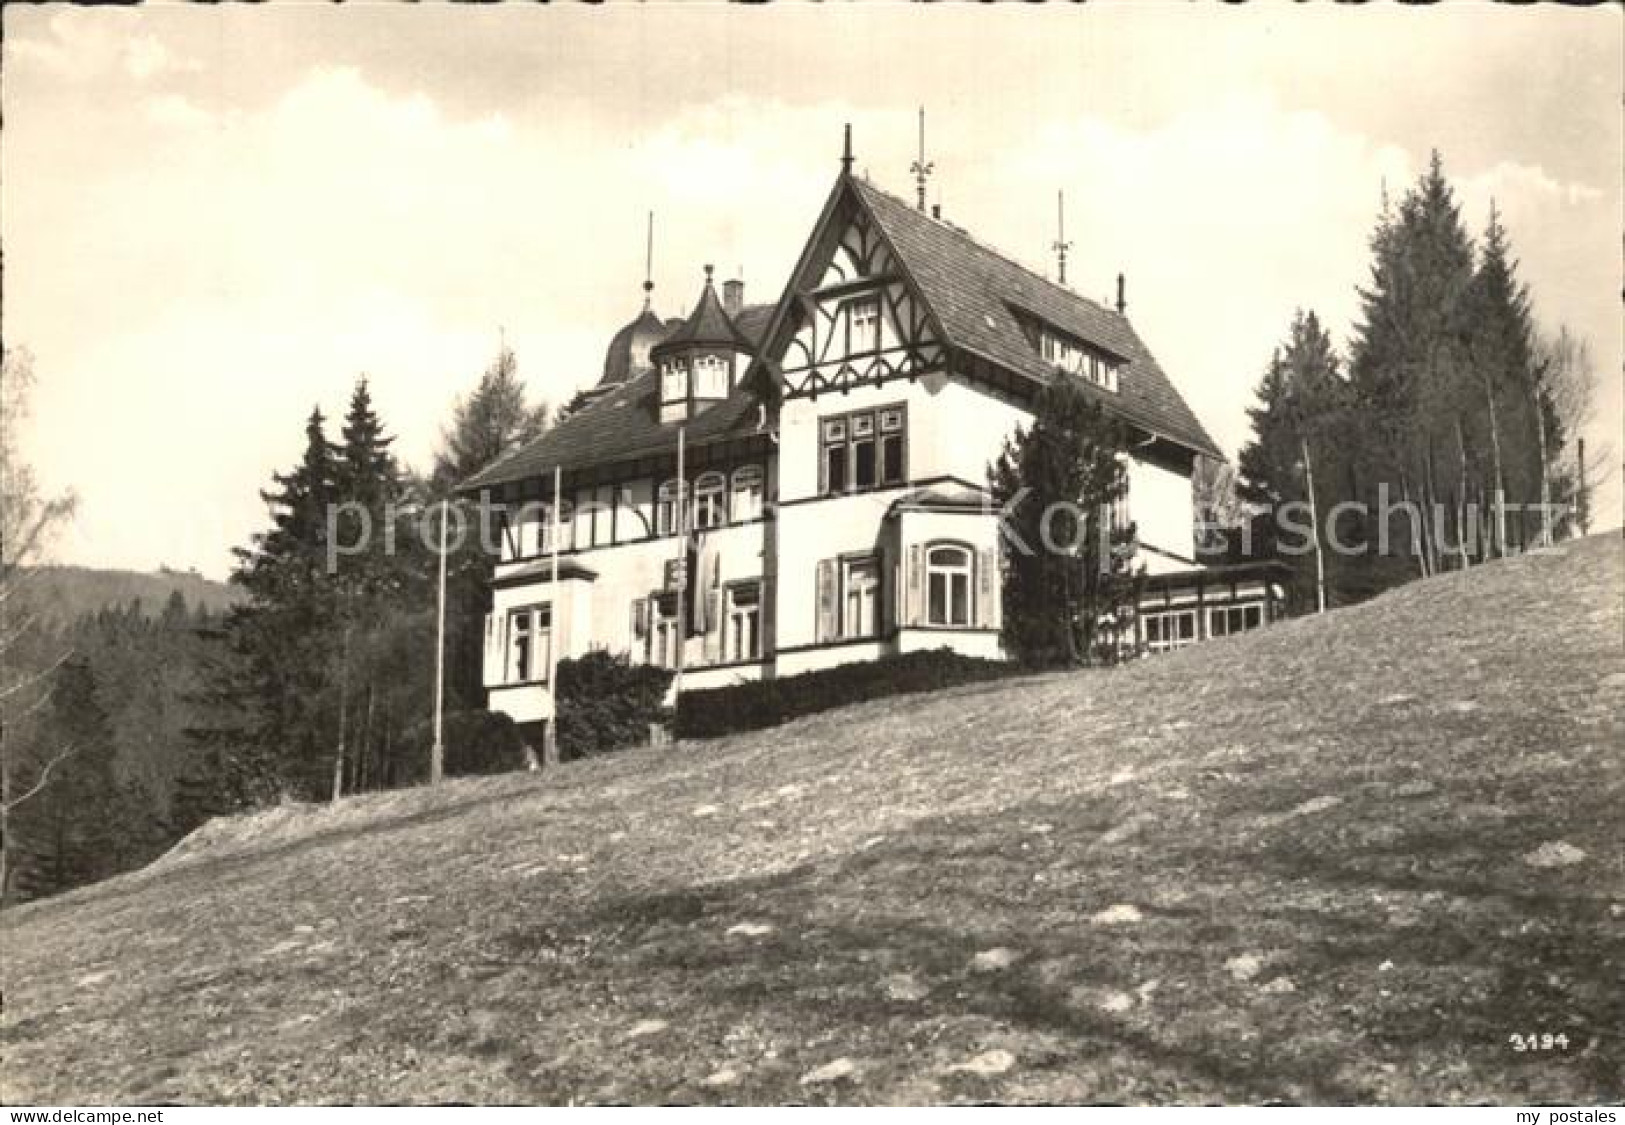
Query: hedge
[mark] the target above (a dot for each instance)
(607, 703)
(713, 712)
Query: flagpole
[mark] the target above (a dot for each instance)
(550, 745)
(682, 569)
(437, 754)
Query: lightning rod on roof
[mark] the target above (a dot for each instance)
(1060, 245)
(922, 168)
(846, 152)
(649, 263)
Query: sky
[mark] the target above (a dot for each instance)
(215, 217)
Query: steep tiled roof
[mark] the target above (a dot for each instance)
(707, 324)
(624, 425)
(977, 292)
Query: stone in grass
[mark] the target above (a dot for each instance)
(705, 810)
(1115, 1002)
(645, 1028)
(1245, 967)
(992, 960)
(1280, 986)
(1119, 914)
(906, 987)
(831, 1072)
(717, 1079)
(988, 1064)
(749, 929)
(1554, 853)
(1418, 787)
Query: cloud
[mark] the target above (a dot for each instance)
(85, 44)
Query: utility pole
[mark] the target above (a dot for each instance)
(682, 570)
(1061, 245)
(437, 753)
(555, 630)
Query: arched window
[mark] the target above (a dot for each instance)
(709, 507)
(747, 493)
(666, 514)
(948, 573)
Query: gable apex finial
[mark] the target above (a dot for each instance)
(846, 152)
(1060, 245)
(921, 167)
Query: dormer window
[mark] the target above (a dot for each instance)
(673, 380)
(1075, 358)
(710, 377)
(863, 325)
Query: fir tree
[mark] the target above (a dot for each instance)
(1069, 586)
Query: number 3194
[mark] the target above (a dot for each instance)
(1542, 1042)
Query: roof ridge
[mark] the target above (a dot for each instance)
(1002, 255)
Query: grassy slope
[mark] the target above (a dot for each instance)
(1342, 805)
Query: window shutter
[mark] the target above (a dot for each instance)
(987, 589)
(826, 600)
(493, 651)
(916, 583)
(769, 617)
(712, 646)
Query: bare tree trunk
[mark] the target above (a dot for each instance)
(1314, 518)
(1461, 498)
(1498, 500)
(1430, 497)
(344, 707)
(1412, 524)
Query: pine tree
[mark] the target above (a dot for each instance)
(1069, 583)
(281, 638)
(1524, 432)
(1302, 409)
(1409, 364)
(494, 420)
(82, 826)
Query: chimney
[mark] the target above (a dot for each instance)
(1122, 301)
(936, 211)
(733, 296)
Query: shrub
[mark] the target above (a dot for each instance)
(477, 743)
(607, 703)
(767, 703)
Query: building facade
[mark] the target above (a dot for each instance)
(761, 490)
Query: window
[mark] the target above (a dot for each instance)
(530, 643)
(1076, 359)
(664, 635)
(666, 508)
(709, 507)
(710, 377)
(864, 449)
(863, 325)
(1222, 621)
(1169, 629)
(747, 494)
(948, 586)
(860, 597)
(743, 636)
(544, 528)
(674, 380)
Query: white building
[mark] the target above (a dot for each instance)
(835, 448)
